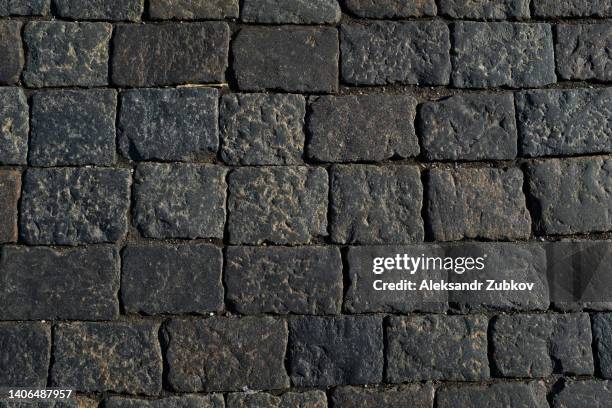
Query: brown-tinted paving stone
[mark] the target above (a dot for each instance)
(582, 51)
(390, 8)
(572, 8)
(24, 354)
(485, 9)
(10, 190)
(170, 54)
(11, 51)
(113, 10)
(98, 357)
(184, 401)
(291, 11)
(510, 395)
(602, 328)
(24, 7)
(411, 395)
(588, 393)
(14, 126)
(193, 9)
(226, 354)
(307, 399)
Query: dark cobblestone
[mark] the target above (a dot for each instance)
(581, 51)
(391, 8)
(602, 327)
(114, 10)
(592, 394)
(411, 395)
(572, 8)
(308, 399)
(186, 401)
(24, 354)
(10, 191)
(12, 52)
(193, 10)
(514, 395)
(14, 126)
(291, 11)
(485, 9)
(24, 7)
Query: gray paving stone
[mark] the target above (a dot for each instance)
(510, 395)
(572, 8)
(588, 393)
(184, 401)
(10, 191)
(24, 7)
(307, 399)
(24, 354)
(291, 11)
(485, 9)
(581, 51)
(12, 52)
(193, 10)
(113, 10)
(390, 8)
(14, 126)
(410, 395)
(602, 327)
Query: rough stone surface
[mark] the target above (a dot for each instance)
(456, 208)
(225, 354)
(77, 283)
(293, 59)
(326, 351)
(186, 401)
(390, 8)
(308, 399)
(280, 280)
(572, 8)
(24, 354)
(582, 51)
(11, 51)
(565, 122)
(282, 205)
(14, 126)
(485, 9)
(590, 393)
(261, 129)
(10, 191)
(602, 327)
(70, 206)
(469, 127)
(179, 200)
(511, 395)
(170, 54)
(168, 124)
(73, 128)
(376, 205)
(114, 10)
(98, 357)
(502, 54)
(362, 128)
(411, 395)
(291, 11)
(74, 402)
(24, 7)
(408, 52)
(572, 195)
(192, 10)
(66, 54)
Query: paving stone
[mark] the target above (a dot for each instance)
(184, 401)
(292, 59)
(602, 327)
(113, 10)
(74, 402)
(581, 51)
(66, 54)
(262, 129)
(376, 205)
(326, 351)
(10, 191)
(192, 10)
(485, 9)
(588, 393)
(24, 354)
(170, 54)
(24, 7)
(75, 283)
(502, 54)
(225, 354)
(572, 8)
(14, 126)
(162, 278)
(511, 395)
(168, 124)
(409, 395)
(179, 200)
(12, 52)
(391, 8)
(282, 205)
(70, 206)
(73, 127)
(469, 127)
(362, 128)
(406, 52)
(456, 208)
(564, 122)
(291, 11)
(281, 280)
(98, 357)
(308, 399)
(572, 195)
(460, 352)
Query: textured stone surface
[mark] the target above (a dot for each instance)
(192, 10)
(78, 283)
(99, 357)
(502, 54)
(74, 402)
(293, 59)
(114, 10)
(291, 11)
(179, 200)
(362, 128)
(477, 203)
(408, 52)
(511, 395)
(10, 191)
(12, 52)
(572, 8)
(390, 8)
(602, 327)
(66, 53)
(590, 393)
(565, 122)
(485, 9)
(168, 124)
(283, 205)
(24, 7)
(73, 128)
(411, 395)
(186, 401)
(262, 129)
(326, 351)
(169, 54)
(376, 205)
(469, 127)
(24, 354)
(14, 126)
(306, 280)
(225, 354)
(572, 195)
(70, 206)
(582, 51)
(308, 399)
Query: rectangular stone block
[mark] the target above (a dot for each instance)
(326, 351)
(24, 354)
(226, 354)
(502, 54)
(581, 53)
(406, 52)
(307, 399)
(283, 280)
(14, 126)
(112, 10)
(24, 7)
(588, 393)
(572, 8)
(410, 395)
(10, 191)
(122, 357)
(564, 122)
(485, 9)
(390, 8)
(291, 11)
(292, 59)
(184, 401)
(572, 195)
(469, 127)
(602, 328)
(376, 205)
(260, 129)
(166, 54)
(282, 205)
(179, 200)
(75, 283)
(168, 124)
(345, 128)
(459, 351)
(516, 394)
(193, 9)
(66, 54)
(11, 51)
(71, 206)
